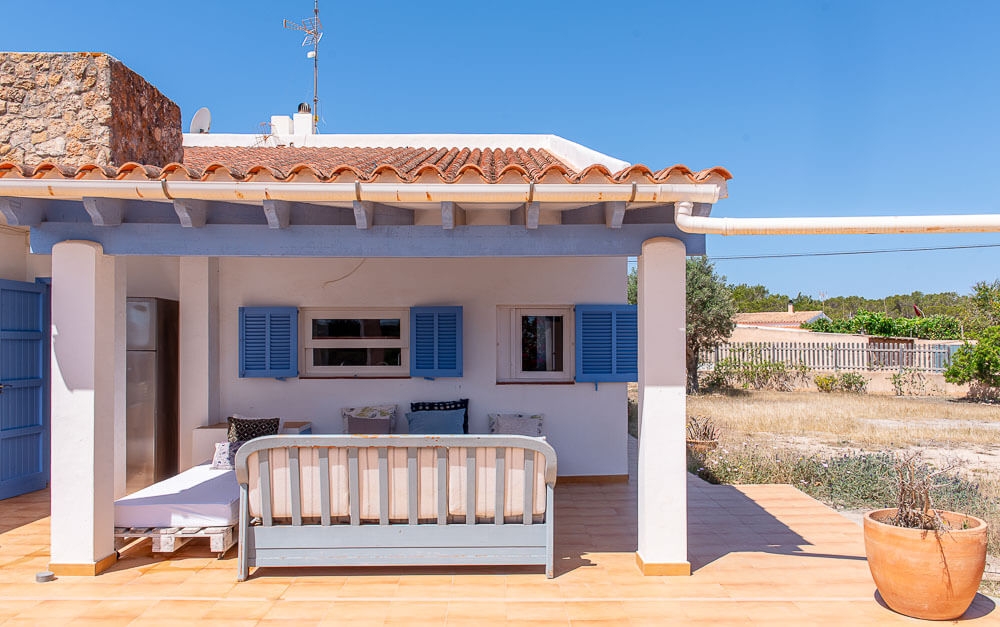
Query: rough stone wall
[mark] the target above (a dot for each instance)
(79, 108)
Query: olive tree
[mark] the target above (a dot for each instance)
(710, 311)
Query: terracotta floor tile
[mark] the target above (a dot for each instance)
(249, 610)
(548, 611)
(765, 555)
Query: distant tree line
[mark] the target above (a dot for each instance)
(711, 303)
(965, 309)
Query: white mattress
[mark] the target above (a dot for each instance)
(197, 497)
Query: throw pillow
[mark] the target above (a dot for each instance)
(516, 424)
(436, 422)
(462, 403)
(225, 455)
(365, 426)
(242, 428)
(366, 419)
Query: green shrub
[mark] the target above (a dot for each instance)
(938, 327)
(977, 363)
(826, 382)
(853, 382)
(747, 368)
(909, 382)
(845, 382)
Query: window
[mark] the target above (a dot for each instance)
(534, 343)
(355, 342)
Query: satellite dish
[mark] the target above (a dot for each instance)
(201, 121)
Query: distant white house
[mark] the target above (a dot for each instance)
(491, 266)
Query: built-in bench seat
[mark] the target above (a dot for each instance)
(389, 500)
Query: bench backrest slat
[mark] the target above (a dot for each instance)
(501, 483)
(442, 482)
(264, 468)
(324, 485)
(355, 490)
(294, 477)
(383, 486)
(470, 485)
(529, 486)
(412, 491)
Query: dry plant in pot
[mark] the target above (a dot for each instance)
(702, 434)
(927, 563)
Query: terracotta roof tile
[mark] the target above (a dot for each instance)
(448, 164)
(776, 318)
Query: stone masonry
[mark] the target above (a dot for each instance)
(78, 108)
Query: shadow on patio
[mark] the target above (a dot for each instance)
(761, 555)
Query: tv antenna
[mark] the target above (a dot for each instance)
(313, 29)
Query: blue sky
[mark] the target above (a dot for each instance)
(817, 108)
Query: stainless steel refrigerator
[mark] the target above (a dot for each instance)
(151, 393)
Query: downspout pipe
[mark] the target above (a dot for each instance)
(968, 223)
(235, 191)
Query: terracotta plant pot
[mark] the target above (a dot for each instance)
(926, 574)
(702, 446)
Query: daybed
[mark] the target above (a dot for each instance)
(389, 500)
(199, 502)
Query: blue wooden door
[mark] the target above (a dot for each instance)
(24, 441)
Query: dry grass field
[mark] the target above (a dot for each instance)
(814, 422)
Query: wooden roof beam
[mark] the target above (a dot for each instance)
(23, 211)
(278, 213)
(105, 211)
(191, 213)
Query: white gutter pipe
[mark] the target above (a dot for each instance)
(164, 190)
(968, 223)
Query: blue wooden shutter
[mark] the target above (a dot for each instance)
(435, 342)
(607, 343)
(269, 338)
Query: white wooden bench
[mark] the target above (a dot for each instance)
(391, 500)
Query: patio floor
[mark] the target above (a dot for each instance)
(763, 554)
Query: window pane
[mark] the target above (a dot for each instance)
(327, 328)
(357, 356)
(541, 343)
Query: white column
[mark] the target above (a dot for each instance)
(199, 348)
(662, 466)
(88, 390)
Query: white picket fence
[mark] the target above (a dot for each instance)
(837, 356)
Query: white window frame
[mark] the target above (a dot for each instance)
(307, 344)
(509, 344)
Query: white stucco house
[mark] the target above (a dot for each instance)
(509, 237)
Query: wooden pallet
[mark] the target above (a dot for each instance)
(169, 539)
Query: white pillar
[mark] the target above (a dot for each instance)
(662, 465)
(88, 390)
(199, 350)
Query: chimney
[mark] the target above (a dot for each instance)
(77, 108)
(302, 121)
(791, 307)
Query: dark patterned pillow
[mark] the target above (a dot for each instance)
(462, 403)
(242, 429)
